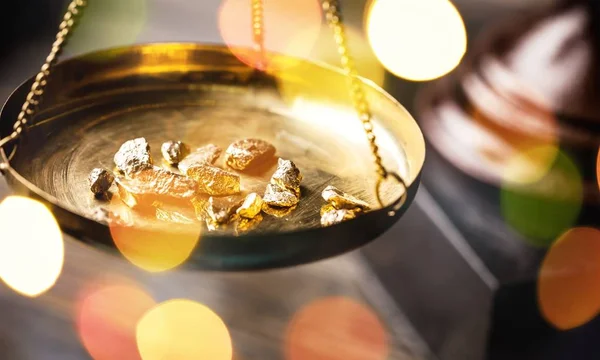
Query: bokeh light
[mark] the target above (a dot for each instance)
(546, 208)
(417, 40)
(568, 291)
(290, 28)
(107, 316)
(182, 329)
(31, 246)
(150, 244)
(367, 64)
(106, 24)
(336, 328)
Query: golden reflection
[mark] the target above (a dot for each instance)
(289, 27)
(417, 40)
(336, 328)
(367, 64)
(155, 238)
(182, 329)
(107, 24)
(568, 291)
(544, 209)
(31, 246)
(106, 319)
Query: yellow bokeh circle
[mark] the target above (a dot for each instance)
(417, 40)
(31, 246)
(182, 329)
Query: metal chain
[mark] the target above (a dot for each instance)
(258, 32)
(34, 97)
(334, 20)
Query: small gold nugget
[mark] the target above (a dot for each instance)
(248, 152)
(207, 154)
(133, 156)
(147, 186)
(214, 181)
(251, 207)
(243, 225)
(341, 200)
(280, 197)
(174, 151)
(100, 181)
(334, 216)
(220, 209)
(287, 176)
(278, 212)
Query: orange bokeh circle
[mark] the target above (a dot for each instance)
(289, 27)
(336, 328)
(569, 278)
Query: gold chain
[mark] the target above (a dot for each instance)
(34, 97)
(334, 20)
(258, 32)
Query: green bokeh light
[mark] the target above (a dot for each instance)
(543, 210)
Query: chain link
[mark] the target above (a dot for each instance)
(34, 97)
(258, 32)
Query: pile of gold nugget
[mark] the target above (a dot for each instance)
(215, 193)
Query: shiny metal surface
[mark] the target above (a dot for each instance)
(202, 94)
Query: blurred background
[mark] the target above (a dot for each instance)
(498, 258)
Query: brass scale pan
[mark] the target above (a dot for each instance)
(203, 94)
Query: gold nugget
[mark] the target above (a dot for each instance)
(341, 200)
(278, 212)
(133, 156)
(214, 181)
(155, 184)
(243, 225)
(251, 207)
(287, 176)
(280, 197)
(335, 216)
(174, 151)
(248, 152)
(100, 181)
(207, 154)
(220, 209)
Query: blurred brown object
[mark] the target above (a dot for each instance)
(529, 82)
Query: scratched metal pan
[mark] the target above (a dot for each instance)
(202, 94)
